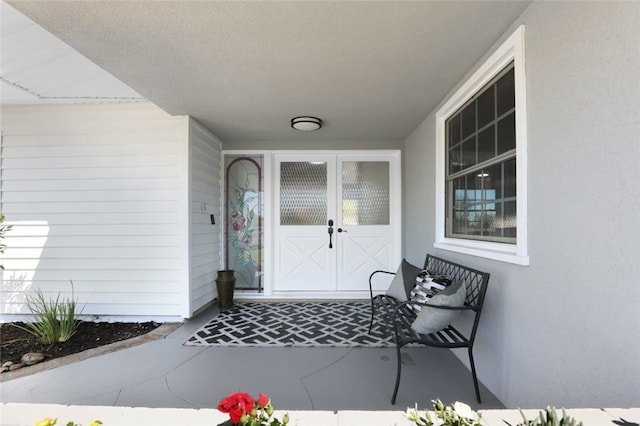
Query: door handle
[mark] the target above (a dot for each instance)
(342, 230)
(330, 233)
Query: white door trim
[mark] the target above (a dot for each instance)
(395, 186)
(269, 222)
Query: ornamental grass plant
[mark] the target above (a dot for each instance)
(3, 228)
(549, 417)
(55, 320)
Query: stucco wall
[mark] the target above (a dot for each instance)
(565, 330)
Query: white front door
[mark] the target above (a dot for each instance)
(337, 219)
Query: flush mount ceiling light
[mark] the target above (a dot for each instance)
(306, 123)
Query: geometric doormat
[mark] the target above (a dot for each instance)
(304, 324)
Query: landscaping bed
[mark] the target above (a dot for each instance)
(14, 342)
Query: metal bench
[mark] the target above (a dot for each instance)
(398, 316)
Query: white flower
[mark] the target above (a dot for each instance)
(436, 421)
(412, 415)
(431, 418)
(456, 414)
(464, 411)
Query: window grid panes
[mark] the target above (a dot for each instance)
(481, 165)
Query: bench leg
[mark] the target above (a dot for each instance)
(372, 312)
(398, 372)
(475, 377)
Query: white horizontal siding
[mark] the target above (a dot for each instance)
(96, 195)
(106, 298)
(29, 120)
(138, 218)
(114, 252)
(140, 172)
(99, 229)
(142, 310)
(83, 207)
(205, 184)
(91, 184)
(90, 287)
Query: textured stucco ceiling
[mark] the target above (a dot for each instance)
(370, 70)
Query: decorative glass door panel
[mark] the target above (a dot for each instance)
(365, 193)
(303, 193)
(244, 232)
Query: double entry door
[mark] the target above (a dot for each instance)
(337, 219)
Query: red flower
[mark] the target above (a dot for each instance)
(236, 405)
(263, 400)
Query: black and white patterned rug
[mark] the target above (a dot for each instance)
(308, 324)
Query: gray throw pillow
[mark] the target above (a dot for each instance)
(432, 320)
(403, 281)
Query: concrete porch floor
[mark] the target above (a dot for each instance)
(165, 373)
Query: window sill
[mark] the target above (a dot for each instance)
(495, 251)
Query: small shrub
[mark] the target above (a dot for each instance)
(3, 229)
(55, 320)
(550, 418)
(456, 414)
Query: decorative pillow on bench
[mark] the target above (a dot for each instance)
(432, 320)
(425, 288)
(403, 281)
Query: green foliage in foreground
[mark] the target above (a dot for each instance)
(550, 418)
(55, 319)
(3, 229)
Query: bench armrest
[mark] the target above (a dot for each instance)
(371, 276)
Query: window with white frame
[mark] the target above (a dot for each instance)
(481, 155)
(480, 178)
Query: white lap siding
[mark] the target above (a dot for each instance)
(97, 195)
(205, 201)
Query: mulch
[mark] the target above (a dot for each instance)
(14, 342)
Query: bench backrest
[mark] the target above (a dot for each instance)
(475, 282)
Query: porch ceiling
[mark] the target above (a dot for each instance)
(370, 70)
